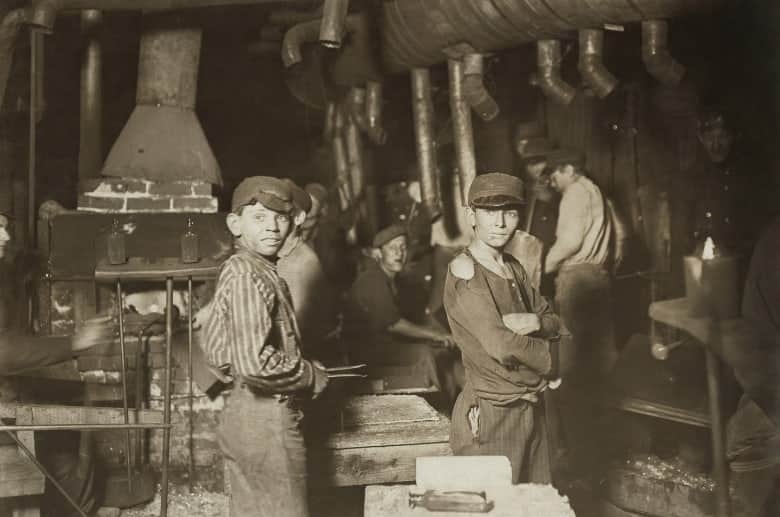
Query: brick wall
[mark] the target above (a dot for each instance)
(128, 195)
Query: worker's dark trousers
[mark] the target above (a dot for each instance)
(28, 353)
(516, 431)
(265, 455)
(584, 303)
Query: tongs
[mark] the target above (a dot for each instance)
(344, 372)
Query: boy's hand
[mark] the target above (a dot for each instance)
(523, 323)
(320, 379)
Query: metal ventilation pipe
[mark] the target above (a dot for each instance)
(91, 119)
(9, 30)
(591, 64)
(422, 108)
(355, 159)
(356, 104)
(374, 99)
(340, 159)
(334, 14)
(474, 90)
(462, 130)
(329, 121)
(295, 38)
(548, 54)
(655, 53)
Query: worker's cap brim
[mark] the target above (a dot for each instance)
(272, 193)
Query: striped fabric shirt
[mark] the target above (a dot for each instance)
(252, 331)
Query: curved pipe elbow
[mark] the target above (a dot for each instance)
(475, 93)
(295, 38)
(591, 65)
(659, 63)
(550, 80)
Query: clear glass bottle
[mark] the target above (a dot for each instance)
(116, 245)
(190, 252)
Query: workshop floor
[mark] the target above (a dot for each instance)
(341, 502)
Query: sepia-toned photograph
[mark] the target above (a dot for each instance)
(389, 258)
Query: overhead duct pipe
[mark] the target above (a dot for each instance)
(91, 116)
(548, 54)
(417, 33)
(334, 14)
(422, 108)
(474, 91)
(462, 129)
(9, 30)
(655, 54)
(591, 65)
(163, 140)
(44, 12)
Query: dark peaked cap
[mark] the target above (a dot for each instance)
(385, 235)
(272, 193)
(300, 197)
(494, 190)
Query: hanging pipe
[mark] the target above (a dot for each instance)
(340, 160)
(329, 122)
(9, 30)
(355, 159)
(474, 91)
(422, 108)
(591, 64)
(462, 130)
(308, 32)
(91, 123)
(375, 131)
(334, 14)
(548, 54)
(655, 53)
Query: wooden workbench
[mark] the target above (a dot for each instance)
(374, 439)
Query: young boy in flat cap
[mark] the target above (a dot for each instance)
(504, 328)
(251, 331)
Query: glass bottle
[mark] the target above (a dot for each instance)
(189, 244)
(116, 245)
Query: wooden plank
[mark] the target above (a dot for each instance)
(390, 435)
(20, 476)
(26, 507)
(381, 410)
(372, 465)
(39, 414)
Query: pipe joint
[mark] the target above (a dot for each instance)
(474, 91)
(332, 28)
(294, 40)
(591, 65)
(655, 53)
(550, 81)
(43, 14)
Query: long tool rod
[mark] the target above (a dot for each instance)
(723, 508)
(191, 442)
(35, 40)
(166, 446)
(79, 427)
(45, 472)
(120, 305)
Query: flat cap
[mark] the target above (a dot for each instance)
(565, 157)
(494, 190)
(300, 198)
(387, 234)
(272, 193)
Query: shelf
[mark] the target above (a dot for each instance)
(145, 269)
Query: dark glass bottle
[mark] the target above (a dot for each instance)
(190, 252)
(116, 245)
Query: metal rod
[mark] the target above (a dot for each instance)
(120, 305)
(720, 469)
(191, 442)
(35, 38)
(45, 472)
(422, 109)
(332, 29)
(140, 382)
(461, 127)
(81, 427)
(167, 397)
